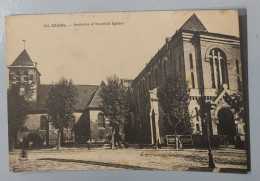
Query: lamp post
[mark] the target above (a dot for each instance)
(141, 138)
(47, 131)
(211, 161)
(206, 107)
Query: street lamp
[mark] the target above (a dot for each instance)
(141, 139)
(206, 117)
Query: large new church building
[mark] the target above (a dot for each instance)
(211, 64)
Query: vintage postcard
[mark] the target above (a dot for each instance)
(158, 90)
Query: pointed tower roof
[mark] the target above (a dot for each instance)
(102, 84)
(193, 24)
(23, 60)
(96, 100)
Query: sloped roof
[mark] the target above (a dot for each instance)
(82, 123)
(23, 60)
(194, 24)
(96, 101)
(85, 94)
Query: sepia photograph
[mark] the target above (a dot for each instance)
(150, 90)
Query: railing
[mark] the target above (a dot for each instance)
(185, 140)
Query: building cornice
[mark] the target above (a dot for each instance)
(24, 67)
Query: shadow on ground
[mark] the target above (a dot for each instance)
(122, 166)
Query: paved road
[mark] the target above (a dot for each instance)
(135, 159)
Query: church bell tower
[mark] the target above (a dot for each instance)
(24, 74)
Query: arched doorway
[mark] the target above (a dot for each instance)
(226, 126)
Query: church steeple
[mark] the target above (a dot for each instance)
(23, 60)
(194, 24)
(24, 74)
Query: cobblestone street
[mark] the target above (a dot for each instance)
(226, 160)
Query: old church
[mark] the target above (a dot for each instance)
(89, 123)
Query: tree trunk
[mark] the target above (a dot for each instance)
(47, 133)
(62, 138)
(176, 140)
(58, 141)
(113, 138)
(117, 137)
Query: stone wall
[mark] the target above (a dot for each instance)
(33, 125)
(98, 134)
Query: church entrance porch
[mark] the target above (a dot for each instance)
(226, 127)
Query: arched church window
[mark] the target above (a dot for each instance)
(156, 76)
(101, 120)
(139, 89)
(143, 86)
(237, 66)
(152, 78)
(174, 65)
(149, 82)
(165, 69)
(213, 85)
(43, 123)
(218, 64)
(159, 73)
(192, 80)
(191, 61)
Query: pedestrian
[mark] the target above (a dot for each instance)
(158, 144)
(88, 144)
(116, 144)
(23, 155)
(30, 144)
(112, 143)
(126, 144)
(179, 142)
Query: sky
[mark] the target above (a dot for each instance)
(96, 49)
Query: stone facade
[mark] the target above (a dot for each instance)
(93, 125)
(86, 126)
(211, 64)
(23, 71)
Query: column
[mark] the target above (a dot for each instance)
(215, 69)
(151, 124)
(154, 112)
(157, 124)
(219, 67)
